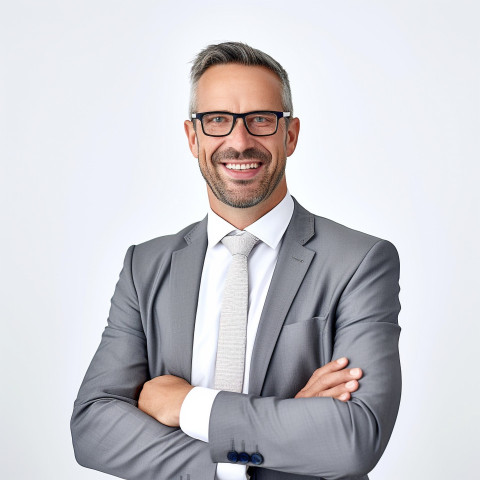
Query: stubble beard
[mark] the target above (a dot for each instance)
(241, 198)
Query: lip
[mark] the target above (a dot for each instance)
(242, 174)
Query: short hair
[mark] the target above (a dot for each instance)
(243, 54)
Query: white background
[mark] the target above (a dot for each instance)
(94, 159)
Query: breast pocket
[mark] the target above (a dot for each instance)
(298, 353)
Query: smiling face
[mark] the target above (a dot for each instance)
(242, 170)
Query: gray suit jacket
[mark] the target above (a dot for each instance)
(334, 293)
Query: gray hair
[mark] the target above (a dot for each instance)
(241, 53)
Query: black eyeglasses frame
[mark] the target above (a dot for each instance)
(279, 115)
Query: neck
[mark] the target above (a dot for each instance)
(243, 217)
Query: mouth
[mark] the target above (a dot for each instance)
(242, 166)
(242, 170)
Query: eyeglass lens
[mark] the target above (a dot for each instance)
(257, 123)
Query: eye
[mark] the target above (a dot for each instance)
(262, 119)
(216, 119)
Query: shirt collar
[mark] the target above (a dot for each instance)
(269, 228)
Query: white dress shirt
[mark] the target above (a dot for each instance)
(195, 411)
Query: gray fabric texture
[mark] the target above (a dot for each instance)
(232, 334)
(334, 292)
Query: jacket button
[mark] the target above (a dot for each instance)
(243, 458)
(232, 456)
(256, 458)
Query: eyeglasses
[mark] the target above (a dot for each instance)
(258, 123)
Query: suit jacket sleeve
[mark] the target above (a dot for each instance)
(109, 432)
(322, 436)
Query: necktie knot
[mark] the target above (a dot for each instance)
(240, 244)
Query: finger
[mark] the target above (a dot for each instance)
(332, 366)
(331, 380)
(341, 392)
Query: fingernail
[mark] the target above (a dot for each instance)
(341, 361)
(344, 396)
(355, 372)
(350, 384)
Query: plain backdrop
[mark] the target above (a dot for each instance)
(94, 159)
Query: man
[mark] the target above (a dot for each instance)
(271, 397)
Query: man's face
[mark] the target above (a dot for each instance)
(239, 89)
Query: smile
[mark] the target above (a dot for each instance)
(241, 166)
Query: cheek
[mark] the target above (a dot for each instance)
(278, 152)
(278, 146)
(208, 148)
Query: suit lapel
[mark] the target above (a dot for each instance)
(292, 265)
(185, 274)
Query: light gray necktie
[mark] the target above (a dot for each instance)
(232, 334)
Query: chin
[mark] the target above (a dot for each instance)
(241, 201)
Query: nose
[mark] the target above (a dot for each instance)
(239, 136)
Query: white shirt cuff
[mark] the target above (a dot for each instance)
(195, 412)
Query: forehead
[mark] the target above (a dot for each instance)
(239, 88)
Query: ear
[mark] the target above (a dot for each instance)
(192, 137)
(292, 135)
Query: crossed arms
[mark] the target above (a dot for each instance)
(162, 397)
(321, 437)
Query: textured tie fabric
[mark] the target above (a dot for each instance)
(232, 334)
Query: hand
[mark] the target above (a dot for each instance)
(162, 398)
(332, 380)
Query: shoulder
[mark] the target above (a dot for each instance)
(344, 244)
(155, 254)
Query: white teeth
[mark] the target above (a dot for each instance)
(241, 166)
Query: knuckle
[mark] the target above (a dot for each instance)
(321, 383)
